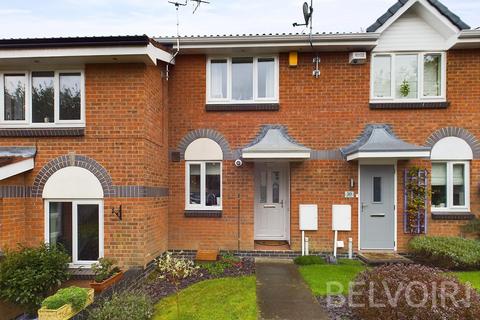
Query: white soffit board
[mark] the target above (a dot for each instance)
(451, 148)
(389, 155)
(15, 168)
(149, 52)
(411, 33)
(203, 149)
(72, 183)
(418, 26)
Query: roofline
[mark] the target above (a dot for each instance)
(469, 34)
(228, 40)
(106, 41)
(440, 7)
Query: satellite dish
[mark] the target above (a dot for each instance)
(306, 13)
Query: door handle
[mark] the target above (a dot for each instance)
(269, 206)
(364, 205)
(281, 203)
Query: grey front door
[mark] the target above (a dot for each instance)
(377, 207)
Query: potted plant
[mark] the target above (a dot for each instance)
(106, 274)
(65, 303)
(405, 88)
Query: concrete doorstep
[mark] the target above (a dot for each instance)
(282, 293)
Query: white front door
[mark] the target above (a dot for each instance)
(271, 201)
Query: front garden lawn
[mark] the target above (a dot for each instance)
(226, 298)
(317, 276)
(473, 277)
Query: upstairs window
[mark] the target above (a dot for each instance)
(42, 99)
(242, 80)
(408, 77)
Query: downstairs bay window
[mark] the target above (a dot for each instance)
(42, 99)
(408, 77)
(203, 185)
(450, 186)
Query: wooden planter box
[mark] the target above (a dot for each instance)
(64, 312)
(100, 286)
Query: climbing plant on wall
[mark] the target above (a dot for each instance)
(415, 200)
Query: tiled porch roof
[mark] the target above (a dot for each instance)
(379, 139)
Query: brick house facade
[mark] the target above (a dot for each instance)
(167, 155)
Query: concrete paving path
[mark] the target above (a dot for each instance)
(282, 293)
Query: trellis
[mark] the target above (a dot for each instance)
(415, 186)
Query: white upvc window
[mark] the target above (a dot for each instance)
(76, 225)
(408, 77)
(42, 99)
(242, 79)
(450, 186)
(203, 185)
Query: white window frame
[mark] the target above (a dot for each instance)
(28, 123)
(420, 69)
(449, 205)
(256, 99)
(202, 205)
(75, 202)
(2, 98)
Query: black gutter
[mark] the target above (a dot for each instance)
(108, 41)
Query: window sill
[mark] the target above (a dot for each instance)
(441, 215)
(409, 105)
(42, 132)
(203, 213)
(215, 107)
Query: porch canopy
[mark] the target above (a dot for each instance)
(16, 160)
(379, 142)
(274, 143)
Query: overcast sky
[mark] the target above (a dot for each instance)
(34, 18)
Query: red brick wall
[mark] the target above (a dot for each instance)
(126, 133)
(323, 114)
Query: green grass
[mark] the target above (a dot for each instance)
(317, 276)
(473, 277)
(227, 298)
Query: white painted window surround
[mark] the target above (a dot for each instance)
(27, 121)
(450, 176)
(388, 69)
(203, 175)
(72, 197)
(242, 79)
(72, 183)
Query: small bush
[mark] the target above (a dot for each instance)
(307, 260)
(417, 292)
(29, 275)
(124, 306)
(217, 268)
(446, 252)
(75, 296)
(104, 269)
(472, 227)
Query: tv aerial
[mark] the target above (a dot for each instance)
(197, 4)
(308, 17)
(177, 5)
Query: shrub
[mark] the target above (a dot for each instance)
(412, 292)
(472, 227)
(75, 296)
(28, 275)
(217, 268)
(104, 269)
(123, 306)
(446, 252)
(175, 270)
(306, 260)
